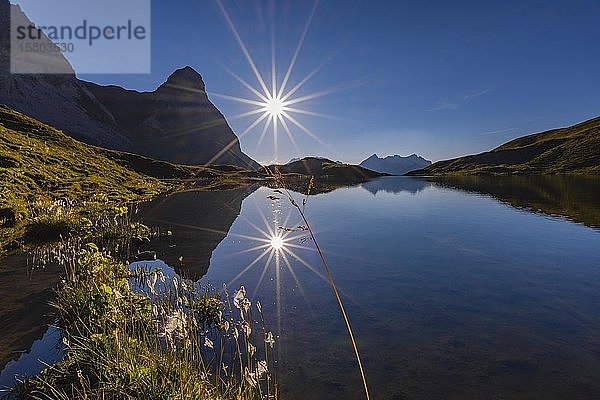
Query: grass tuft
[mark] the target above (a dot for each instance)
(142, 335)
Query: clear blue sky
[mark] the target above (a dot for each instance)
(436, 78)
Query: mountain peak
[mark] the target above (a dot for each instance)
(395, 164)
(186, 77)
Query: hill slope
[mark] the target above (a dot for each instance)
(327, 174)
(176, 122)
(395, 165)
(324, 169)
(39, 162)
(575, 149)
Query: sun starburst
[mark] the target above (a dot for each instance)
(274, 105)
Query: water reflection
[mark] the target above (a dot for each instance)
(396, 185)
(45, 351)
(574, 197)
(199, 221)
(25, 310)
(451, 294)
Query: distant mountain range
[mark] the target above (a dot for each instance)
(575, 149)
(395, 165)
(176, 122)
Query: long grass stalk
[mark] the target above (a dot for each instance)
(278, 177)
(339, 300)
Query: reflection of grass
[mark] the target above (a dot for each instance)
(174, 342)
(571, 196)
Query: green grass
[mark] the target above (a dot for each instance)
(572, 150)
(54, 186)
(158, 344)
(118, 344)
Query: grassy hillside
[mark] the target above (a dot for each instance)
(327, 174)
(49, 178)
(53, 184)
(575, 150)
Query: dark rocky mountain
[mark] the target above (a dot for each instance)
(60, 100)
(395, 165)
(317, 157)
(176, 122)
(575, 149)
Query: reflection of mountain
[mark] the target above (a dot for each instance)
(396, 184)
(199, 220)
(25, 309)
(575, 197)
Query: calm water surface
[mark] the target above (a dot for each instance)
(455, 289)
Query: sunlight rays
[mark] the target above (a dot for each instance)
(274, 102)
(273, 244)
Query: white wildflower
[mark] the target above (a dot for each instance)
(247, 304)
(259, 306)
(151, 286)
(251, 349)
(239, 297)
(261, 368)
(208, 343)
(175, 325)
(246, 329)
(250, 377)
(269, 339)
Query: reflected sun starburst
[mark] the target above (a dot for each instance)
(277, 242)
